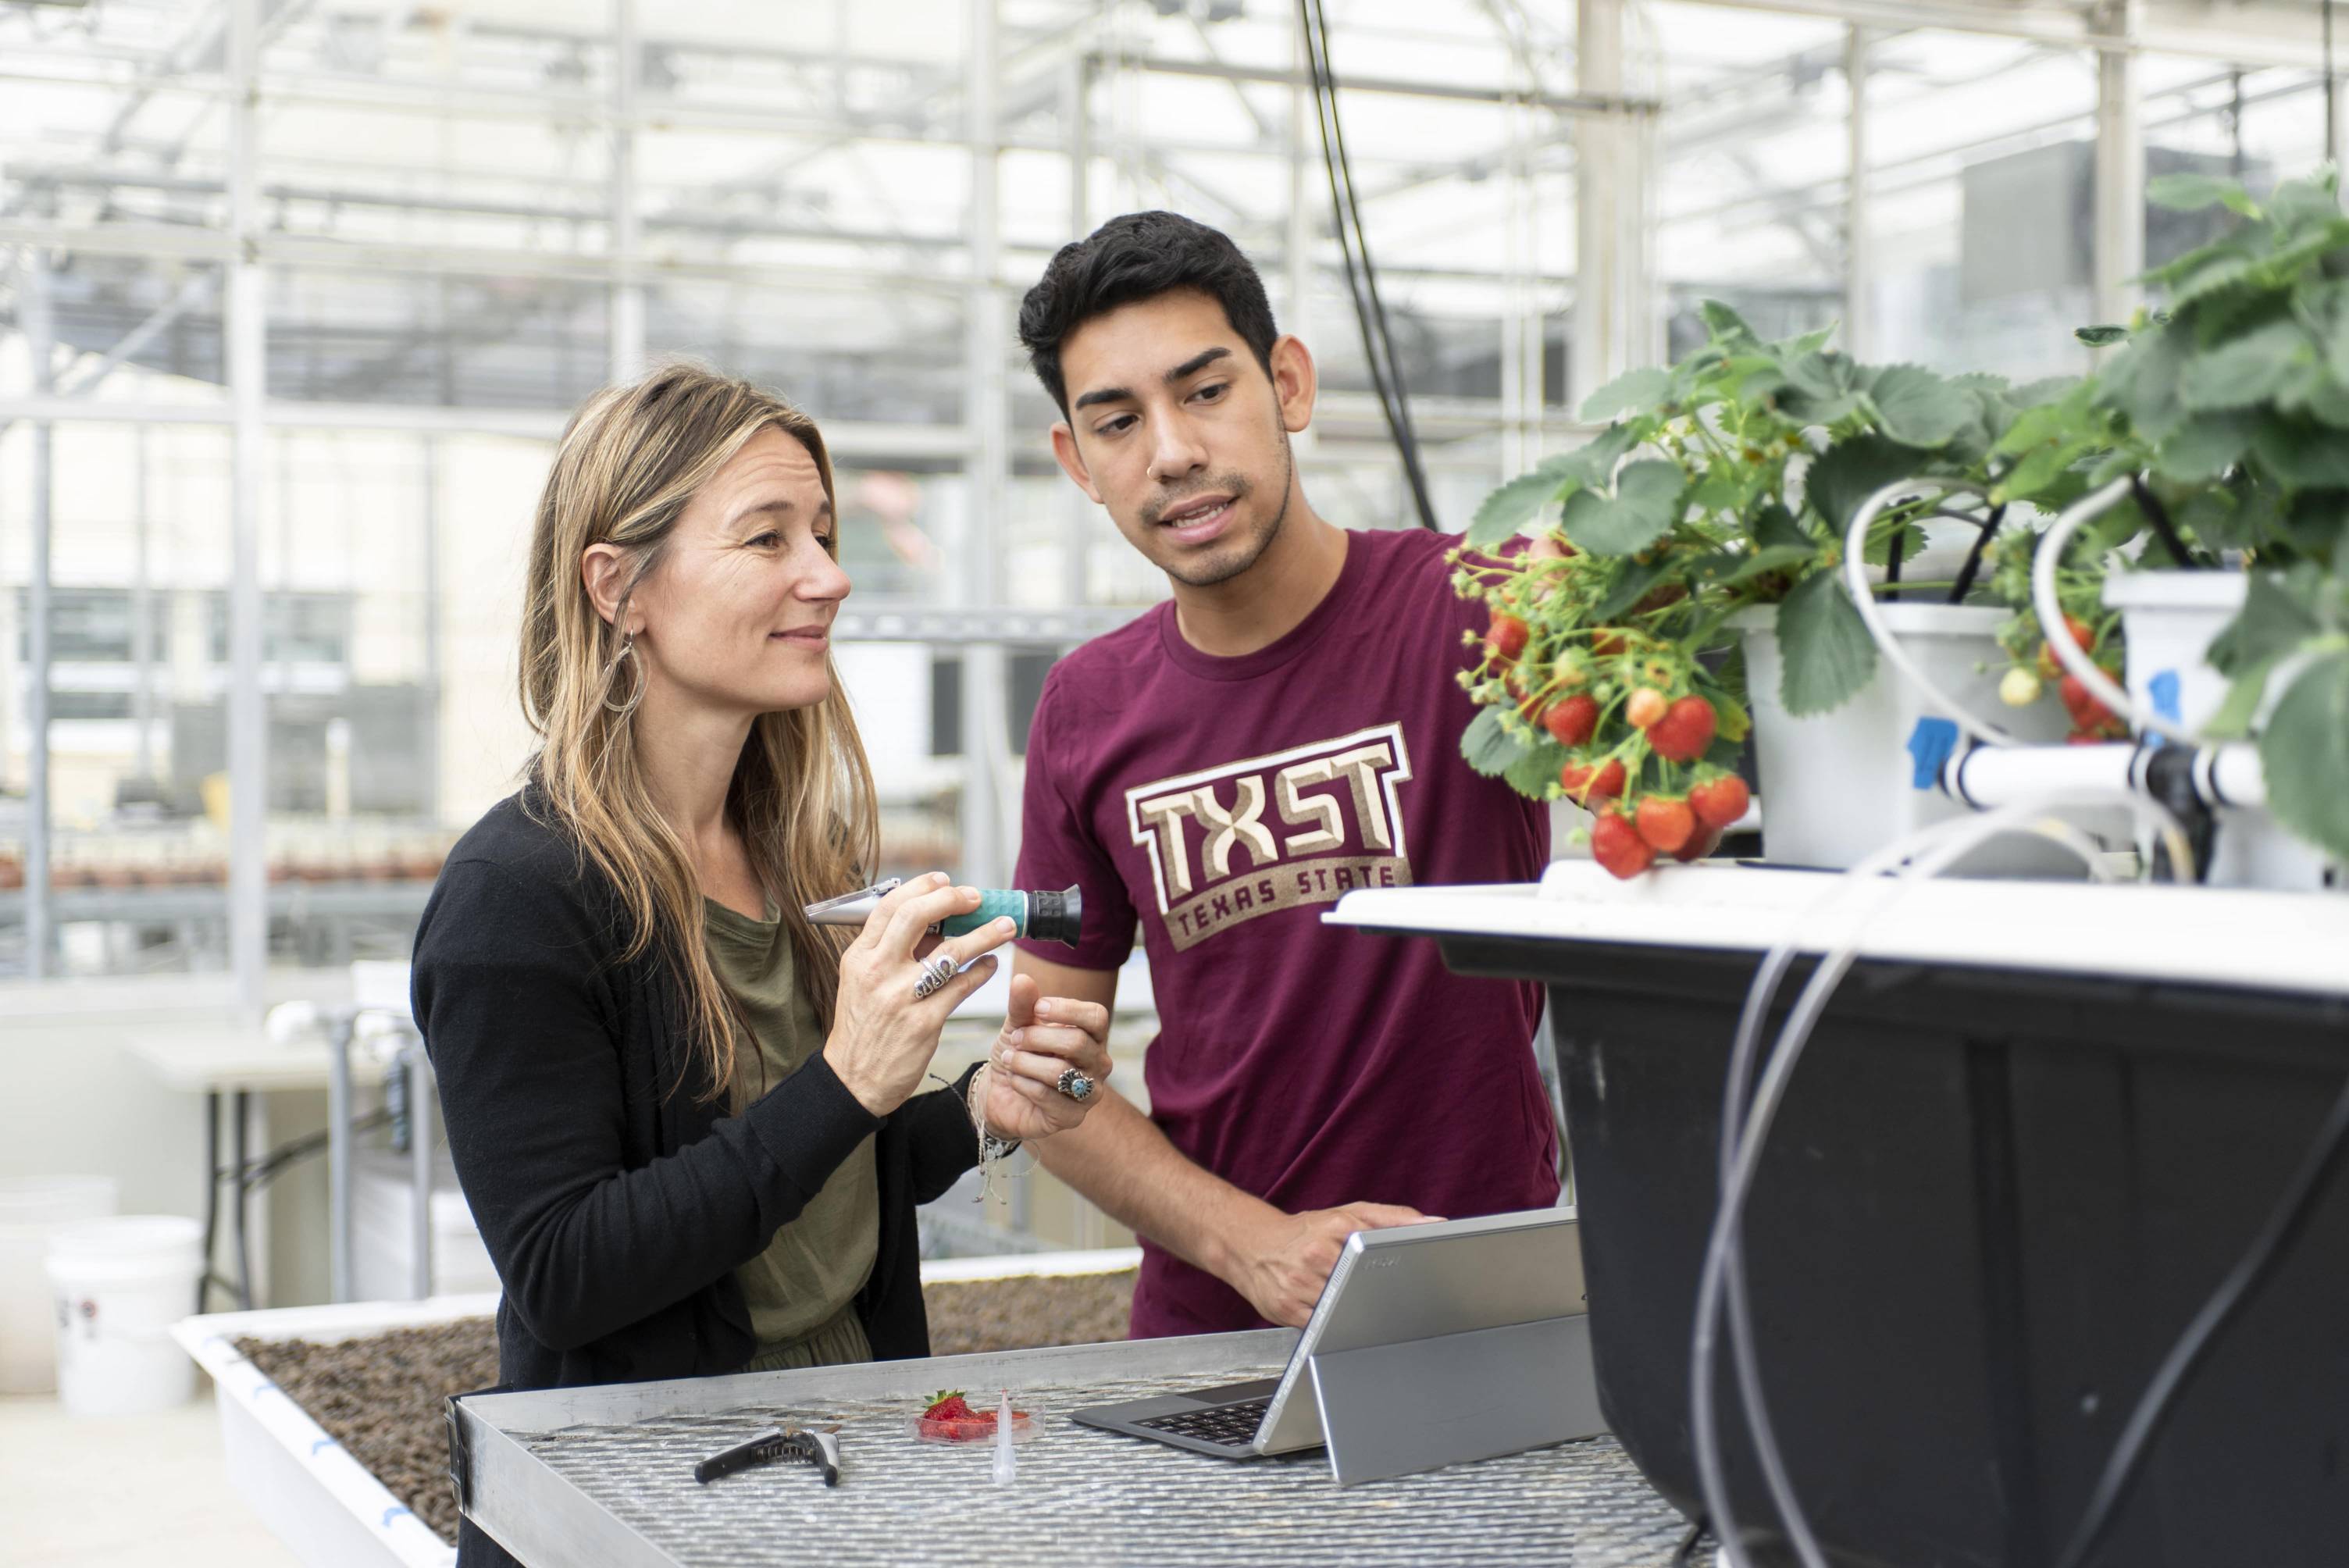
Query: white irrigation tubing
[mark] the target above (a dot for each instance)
(1935, 848)
(2069, 654)
(1855, 573)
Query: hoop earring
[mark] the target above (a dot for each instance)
(628, 656)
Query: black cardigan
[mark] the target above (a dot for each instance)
(617, 1212)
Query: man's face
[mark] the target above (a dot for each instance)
(1176, 429)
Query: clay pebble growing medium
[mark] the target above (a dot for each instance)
(381, 1396)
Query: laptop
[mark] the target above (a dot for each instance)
(1390, 1290)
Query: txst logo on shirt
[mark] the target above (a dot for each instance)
(1304, 826)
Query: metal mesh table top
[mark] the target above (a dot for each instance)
(1084, 1496)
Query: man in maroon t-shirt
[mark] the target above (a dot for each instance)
(1221, 770)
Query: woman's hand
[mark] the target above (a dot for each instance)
(1041, 1040)
(883, 1035)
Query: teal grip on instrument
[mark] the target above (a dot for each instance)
(994, 903)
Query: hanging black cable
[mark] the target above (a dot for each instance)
(1361, 278)
(1371, 348)
(2159, 1401)
(1370, 279)
(1386, 371)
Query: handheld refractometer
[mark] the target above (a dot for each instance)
(1040, 917)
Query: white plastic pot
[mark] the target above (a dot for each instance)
(1838, 786)
(32, 1209)
(117, 1287)
(2170, 619)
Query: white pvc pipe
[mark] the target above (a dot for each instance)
(1989, 777)
(2231, 775)
(2050, 610)
(1863, 598)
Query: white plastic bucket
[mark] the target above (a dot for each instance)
(32, 1209)
(1838, 787)
(119, 1285)
(2170, 619)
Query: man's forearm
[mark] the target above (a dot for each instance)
(1120, 1160)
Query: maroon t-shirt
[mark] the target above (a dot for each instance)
(1226, 803)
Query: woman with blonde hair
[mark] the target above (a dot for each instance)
(687, 1119)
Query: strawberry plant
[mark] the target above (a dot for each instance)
(2232, 406)
(1608, 671)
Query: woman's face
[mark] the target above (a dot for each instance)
(738, 614)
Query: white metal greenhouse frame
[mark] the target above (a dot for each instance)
(1616, 311)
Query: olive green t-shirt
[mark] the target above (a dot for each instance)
(801, 1290)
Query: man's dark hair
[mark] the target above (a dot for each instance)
(1137, 257)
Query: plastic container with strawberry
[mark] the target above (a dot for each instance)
(950, 1418)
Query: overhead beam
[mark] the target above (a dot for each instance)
(1585, 102)
(2238, 38)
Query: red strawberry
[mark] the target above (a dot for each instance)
(1719, 802)
(1647, 706)
(1702, 842)
(1666, 824)
(2081, 703)
(1507, 635)
(1573, 721)
(1590, 788)
(2080, 633)
(1607, 643)
(1684, 733)
(950, 1406)
(1657, 598)
(1617, 845)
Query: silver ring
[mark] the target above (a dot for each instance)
(1075, 1085)
(934, 975)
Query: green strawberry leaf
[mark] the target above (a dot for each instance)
(2279, 615)
(1630, 589)
(2305, 754)
(2232, 721)
(1488, 747)
(1532, 774)
(1808, 343)
(2141, 381)
(1594, 462)
(2205, 447)
(2223, 267)
(1740, 568)
(2101, 337)
(2035, 427)
(1775, 528)
(2300, 203)
(1917, 407)
(1824, 646)
(2301, 453)
(1517, 503)
(2041, 469)
(1731, 722)
(1725, 325)
(1645, 505)
(2246, 370)
(1820, 388)
(2193, 192)
(1854, 469)
(1636, 391)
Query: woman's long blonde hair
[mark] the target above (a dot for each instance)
(803, 797)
